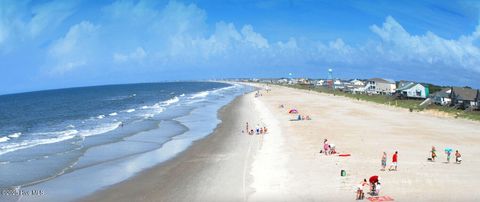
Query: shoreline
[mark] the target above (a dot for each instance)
(285, 164)
(197, 165)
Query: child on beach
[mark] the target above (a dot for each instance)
(394, 161)
(434, 155)
(265, 130)
(458, 157)
(377, 189)
(325, 146)
(360, 188)
(384, 161)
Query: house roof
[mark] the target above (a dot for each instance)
(382, 80)
(465, 93)
(407, 86)
(443, 93)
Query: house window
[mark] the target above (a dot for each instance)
(419, 93)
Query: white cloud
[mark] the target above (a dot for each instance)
(137, 55)
(22, 23)
(75, 49)
(177, 36)
(397, 45)
(254, 38)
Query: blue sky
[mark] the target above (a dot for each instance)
(57, 44)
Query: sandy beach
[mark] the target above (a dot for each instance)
(285, 164)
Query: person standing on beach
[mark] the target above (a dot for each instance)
(394, 161)
(384, 161)
(246, 127)
(434, 155)
(449, 152)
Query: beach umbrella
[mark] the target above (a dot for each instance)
(448, 149)
(293, 111)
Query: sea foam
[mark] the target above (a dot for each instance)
(15, 135)
(4, 139)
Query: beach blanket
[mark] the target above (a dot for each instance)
(380, 198)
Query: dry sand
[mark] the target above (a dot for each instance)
(285, 164)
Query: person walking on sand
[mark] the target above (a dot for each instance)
(384, 161)
(246, 127)
(394, 161)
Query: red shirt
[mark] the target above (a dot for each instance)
(373, 179)
(394, 157)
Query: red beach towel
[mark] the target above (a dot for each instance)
(380, 198)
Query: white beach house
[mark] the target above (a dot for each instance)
(380, 86)
(413, 90)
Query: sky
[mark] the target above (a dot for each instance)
(58, 44)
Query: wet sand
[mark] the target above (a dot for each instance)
(213, 169)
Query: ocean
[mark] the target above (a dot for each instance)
(56, 141)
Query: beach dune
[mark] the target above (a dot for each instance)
(285, 164)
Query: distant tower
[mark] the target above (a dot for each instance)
(330, 78)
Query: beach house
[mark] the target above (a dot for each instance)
(464, 98)
(413, 90)
(320, 82)
(380, 86)
(442, 97)
(357, 82)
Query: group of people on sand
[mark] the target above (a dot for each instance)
(258, 94)
(448, 152)
(373, 185)
(328, 149)
(258, 130)
(393, 165)
(301, 118)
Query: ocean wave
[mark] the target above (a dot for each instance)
(226, 88)
(4, 139)
(15, 135)
(130, 110)
(117, 98)
(56, 136)
(113, 114)
(100, 116)
(182, 95)
(199, 95)
(147, 116)
(100, 129)
(170, 101)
